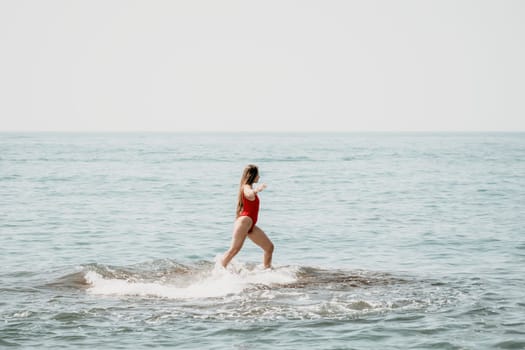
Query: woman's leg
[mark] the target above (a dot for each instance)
(240, 230)
(261, 239)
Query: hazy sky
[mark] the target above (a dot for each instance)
(262, 65)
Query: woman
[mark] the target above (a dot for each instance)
(245, 224)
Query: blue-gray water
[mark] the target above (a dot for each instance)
(383, 241)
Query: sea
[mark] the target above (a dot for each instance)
(382, 241)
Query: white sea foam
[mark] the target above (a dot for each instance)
(215, 282)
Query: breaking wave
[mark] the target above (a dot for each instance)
(206, 290)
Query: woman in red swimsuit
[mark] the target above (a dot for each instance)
(247, 213)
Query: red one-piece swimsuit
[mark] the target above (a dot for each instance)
(250, 209)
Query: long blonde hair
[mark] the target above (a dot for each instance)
(248, 177)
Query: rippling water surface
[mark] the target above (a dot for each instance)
(394, 241)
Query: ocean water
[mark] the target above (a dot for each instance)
(383, 241)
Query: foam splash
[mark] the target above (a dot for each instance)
(208, 291)
(206, 283)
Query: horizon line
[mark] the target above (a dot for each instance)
(255, 132)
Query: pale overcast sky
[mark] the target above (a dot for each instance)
(107, 65)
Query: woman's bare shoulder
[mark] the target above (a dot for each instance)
(248, 192)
